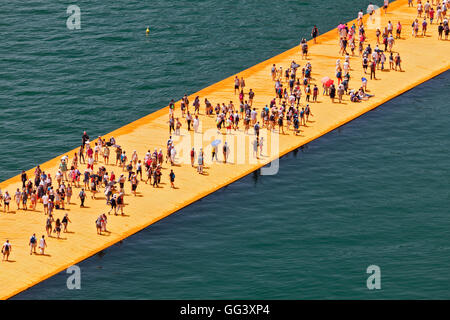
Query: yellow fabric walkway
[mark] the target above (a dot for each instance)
(422, 59)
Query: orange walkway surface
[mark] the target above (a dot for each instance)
(422, 59)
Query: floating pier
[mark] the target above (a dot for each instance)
(422, 59)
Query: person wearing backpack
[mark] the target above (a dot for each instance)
(6, 250)
(172, 179)
(82, 197)
(33, 243)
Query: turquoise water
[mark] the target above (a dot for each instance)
(372, 192)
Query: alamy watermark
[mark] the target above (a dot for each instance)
(237, 148)
(74, 280)
(73, 22)
(374, 280)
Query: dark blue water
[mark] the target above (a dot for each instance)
(372, 192)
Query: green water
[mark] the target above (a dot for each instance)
(372, 192)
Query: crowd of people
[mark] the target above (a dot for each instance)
(86, 171)
(91, 170)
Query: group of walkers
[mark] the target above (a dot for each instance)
(55, 192)
(431, 11)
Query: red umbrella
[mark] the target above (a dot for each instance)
(329, 82)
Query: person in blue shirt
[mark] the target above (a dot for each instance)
(172, 179)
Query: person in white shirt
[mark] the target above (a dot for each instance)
(375, 56)
(173, 153)
(253, 115)
(346, 67)
(370, 8)
(360, 14)
(390, 27)
(196, 124)
(45, 203)
(42, 245)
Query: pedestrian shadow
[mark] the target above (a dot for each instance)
(204, 173)
(71, 232)
(176, 165)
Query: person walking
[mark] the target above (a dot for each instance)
(373, 68)
(42, 245)
(33, 244)
(225, 152)
(82, 196)
(6, 250)
(65, 221)
(314, 33)
(172, 179)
